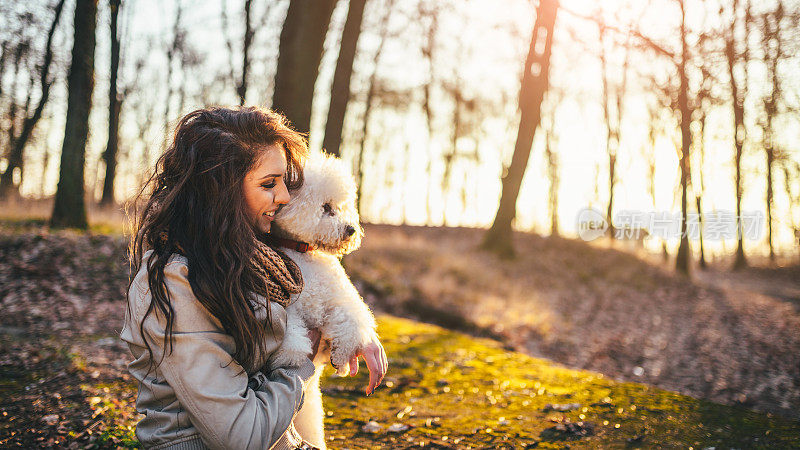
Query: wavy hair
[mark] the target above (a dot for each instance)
(196, 207)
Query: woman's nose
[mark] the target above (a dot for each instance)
(282, 197)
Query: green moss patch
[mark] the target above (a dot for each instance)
(454, 391)
(443, 390)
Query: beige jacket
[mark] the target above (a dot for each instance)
(198, 397)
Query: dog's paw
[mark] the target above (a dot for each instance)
(340, 360)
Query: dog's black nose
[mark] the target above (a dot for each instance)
(349, 231)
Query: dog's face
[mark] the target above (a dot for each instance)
(323, 211)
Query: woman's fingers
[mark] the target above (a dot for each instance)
(375, 370)
(379, 357)
(384, 359)
(377, 363)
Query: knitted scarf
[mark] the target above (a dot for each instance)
(279, 272)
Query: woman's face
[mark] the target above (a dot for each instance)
(265, 188)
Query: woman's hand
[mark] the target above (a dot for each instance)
(377, 363)
(315, 335)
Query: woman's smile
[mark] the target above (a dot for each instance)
(264, 188)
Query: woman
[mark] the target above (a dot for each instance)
(206, 308)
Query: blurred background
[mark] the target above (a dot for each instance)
(632, 106)
(489, 140)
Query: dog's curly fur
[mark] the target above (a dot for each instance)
(323, 214)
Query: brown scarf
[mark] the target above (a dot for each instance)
(281, 276)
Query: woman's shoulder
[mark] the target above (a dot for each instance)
(190, 314)
(177, 265)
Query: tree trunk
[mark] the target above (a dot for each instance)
(114, 107)
(368, 110)
(792, 198)
(739, 132)
(69, 209)
(683, 258)
(7, 179)
(552, 171)
(770, 163)
(18, 143)
(4, 51)
(700, 187)
(699, 205)
(772, 55)
(451, 156)
(241, 89)
(300, 51)
(612, 131)
(427, 49)
(535, 80)
(340, 90)
(172, 51)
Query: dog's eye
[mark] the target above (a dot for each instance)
(327, 209)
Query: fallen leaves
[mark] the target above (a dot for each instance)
(50, 419)
(566, 430)
(717, 337)
(561, 406)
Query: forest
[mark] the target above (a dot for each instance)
(601, 196)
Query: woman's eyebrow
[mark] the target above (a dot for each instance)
(272, 175)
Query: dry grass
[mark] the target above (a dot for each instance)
(110, 220)
(595, 308)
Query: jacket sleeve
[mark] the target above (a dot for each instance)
(211, 387)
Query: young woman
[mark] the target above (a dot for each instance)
(206, 308)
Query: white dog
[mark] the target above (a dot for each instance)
(319, 225)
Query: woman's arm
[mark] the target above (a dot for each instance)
(211, 387)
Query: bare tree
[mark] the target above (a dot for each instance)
(683, 258)
(705, 101)
(535, 81)
(20, 51)
(241, 82)
(114, 107)
(699, 184)
(241, 89)
(300, 51)
(680, 103)
(791, 171)
(654, 129)
(340, 90)
(455, 89)
(553, 174)
(734, 57)
(5, 48)
(772, 47)
(371, 93)
(613, 120)
(429, 14)
(173, 49)
(69, 209)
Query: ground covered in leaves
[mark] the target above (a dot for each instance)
(731, 338)
(63, 380)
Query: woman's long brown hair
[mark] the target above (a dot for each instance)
(196, 207)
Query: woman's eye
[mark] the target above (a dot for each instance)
(268, 185)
